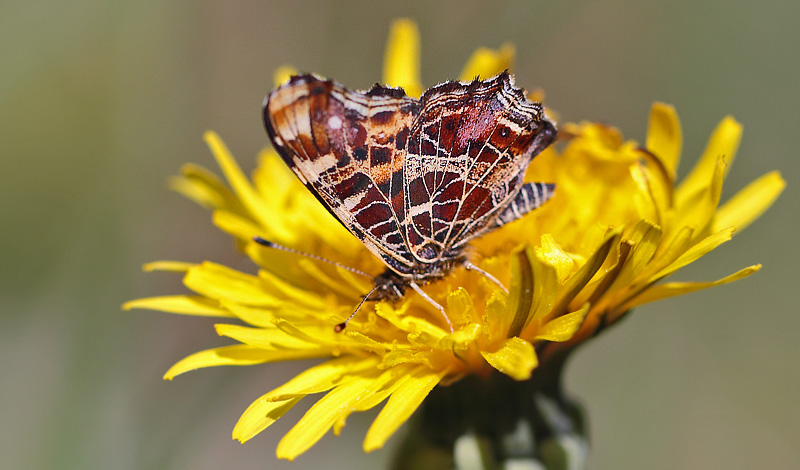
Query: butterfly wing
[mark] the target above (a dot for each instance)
(467, 155)
(348, 148)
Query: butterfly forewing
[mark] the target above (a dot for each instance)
(415, 180)
(345, 147)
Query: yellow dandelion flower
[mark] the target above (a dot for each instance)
(618, 224)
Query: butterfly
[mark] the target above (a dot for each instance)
(414, 179)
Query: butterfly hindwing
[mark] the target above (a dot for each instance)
(470, 147)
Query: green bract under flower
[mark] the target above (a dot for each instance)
(618, 224)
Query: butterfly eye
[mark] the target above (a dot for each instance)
(504, 132)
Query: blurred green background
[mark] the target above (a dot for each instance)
(101, 101)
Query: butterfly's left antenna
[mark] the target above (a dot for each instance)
(269, 244)
(341, 326)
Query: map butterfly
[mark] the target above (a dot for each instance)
(414, 179)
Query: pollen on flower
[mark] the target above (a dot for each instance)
(618, 225)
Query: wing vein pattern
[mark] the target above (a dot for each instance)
(414, 180)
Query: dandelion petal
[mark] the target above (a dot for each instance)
(749, 203)
(671, 289)
(664, 138)
(182, 304)
(259, 416)
(401, 405)
(515, 358)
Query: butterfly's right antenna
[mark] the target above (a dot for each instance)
(269, 244)
(341, 326)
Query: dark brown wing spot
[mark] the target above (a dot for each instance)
(402, 137)
(382, 118)
(360, 153)
(380, 156)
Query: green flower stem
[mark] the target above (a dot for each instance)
(498, 423)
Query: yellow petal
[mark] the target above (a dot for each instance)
(671, 289)
(485, 63)
(668, 253)
(182, 304)
(321, 417)
(205, 188)
(749, 203)
(312, 334)
(266, 338)
(659, 184)
(259, 416)
(271, 406)
(596, 292)
(521, 292)
(563, 327)
(174, 266)
(697, 251)
(236, 225)
(723, 143)
(252, 201)
(322, 377)
(293, 294)
(426, 340)
(400, 357)
(366, 343)
(314, 270)
(460, 305)
(497, 317)
(263, 317)
(403, 402)
(220, 282)
(200, 193)
(279, 188)
(555, 256)
(698, 208)
(377, 391)
(644, 239)
(282, 74)
(515, 358)
(401, 61)
(545, 293)
(317, 332)
(273, 179)
(411, 324)
(652, 197)
(582, 277)
(323, 225)
(664, 137)
(285, 264)
(462, 338)
(236, 355)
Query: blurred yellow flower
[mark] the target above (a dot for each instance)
(617, 225)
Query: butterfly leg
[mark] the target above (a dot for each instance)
(425, 296)
(468, 264)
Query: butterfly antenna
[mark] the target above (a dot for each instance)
(269, 244)
(341, 326)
